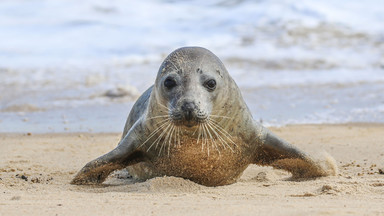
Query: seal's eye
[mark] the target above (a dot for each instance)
(210, 84)
(169, 83)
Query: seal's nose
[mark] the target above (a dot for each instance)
(188, 109)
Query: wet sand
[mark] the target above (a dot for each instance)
(35, 170)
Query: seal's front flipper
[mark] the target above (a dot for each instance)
(125, 154)
(275, 152)
(96, 171)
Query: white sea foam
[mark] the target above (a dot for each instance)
(303, 56)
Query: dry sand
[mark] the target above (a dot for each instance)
(35, 170)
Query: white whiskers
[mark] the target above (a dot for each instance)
(209, 134)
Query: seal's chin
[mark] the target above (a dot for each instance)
(185, 123)
(190, 123)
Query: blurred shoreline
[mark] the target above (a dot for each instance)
(66, 131)
(83, 66)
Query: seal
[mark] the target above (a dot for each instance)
(193, 123)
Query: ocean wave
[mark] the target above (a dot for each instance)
(66, 54)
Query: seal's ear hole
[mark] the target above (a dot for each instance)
(210, 84)
(170, 82)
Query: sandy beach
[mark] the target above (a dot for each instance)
(35, 170)
(70, 72)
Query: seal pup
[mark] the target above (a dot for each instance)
(193, 123)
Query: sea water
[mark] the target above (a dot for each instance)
(78, 66)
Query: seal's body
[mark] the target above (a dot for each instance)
(193, 123)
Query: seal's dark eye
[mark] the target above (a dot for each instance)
(169, 83)
(210, 84)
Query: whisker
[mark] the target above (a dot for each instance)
(217, 124)
(164, 107)
(165, 140)
(161, 116)
(159, 138)
(164, 120)
(222, 141)
(161, 143)
(178, 135)
(205, 139)
(202, 137)
(223, 131)
(195, 131)
(164, 124)
(213, 142)
(198, 136)
(170, 138)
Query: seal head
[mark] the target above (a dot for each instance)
(190, 83)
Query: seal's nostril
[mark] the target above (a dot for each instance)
(188, 109)
(188, 115)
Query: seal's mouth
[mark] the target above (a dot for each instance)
(188, 119)
(188, 115)
(195, 122)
